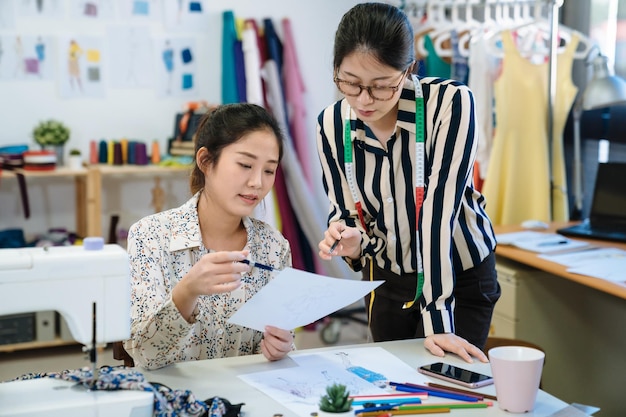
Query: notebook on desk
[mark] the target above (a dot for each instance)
(607, 217)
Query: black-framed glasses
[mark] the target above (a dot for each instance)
(377, 93)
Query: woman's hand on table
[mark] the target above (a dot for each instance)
(439, 344)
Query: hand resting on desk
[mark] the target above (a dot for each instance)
(439, 344)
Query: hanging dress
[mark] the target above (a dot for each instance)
(517, 186)
(566, 94)
(435, 65)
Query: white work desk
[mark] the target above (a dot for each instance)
(218, 377)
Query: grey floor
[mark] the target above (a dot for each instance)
(17, 363)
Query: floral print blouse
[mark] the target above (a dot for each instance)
(162, 248)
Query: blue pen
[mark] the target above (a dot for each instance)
(258, 265)
(553, 243)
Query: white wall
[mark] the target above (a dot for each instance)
(140, 113)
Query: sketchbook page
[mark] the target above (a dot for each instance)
(300, 387)
(296, 298)
(541, 242)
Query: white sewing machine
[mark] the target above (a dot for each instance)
(90, 287)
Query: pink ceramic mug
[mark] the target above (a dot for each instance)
(516, 373)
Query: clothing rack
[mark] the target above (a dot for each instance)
(548, 9)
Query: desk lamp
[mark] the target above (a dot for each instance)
(603, 90)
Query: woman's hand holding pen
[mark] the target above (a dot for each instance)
(276, 343)
(214, 273)
(340, 240)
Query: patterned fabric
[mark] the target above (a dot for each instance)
(455, 232)
(162, 248)
(167, 402)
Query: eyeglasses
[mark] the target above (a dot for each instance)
(376, 93)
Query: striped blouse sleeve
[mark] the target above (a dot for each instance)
(452, 149)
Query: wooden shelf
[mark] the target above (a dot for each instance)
(36, 345)
(57, 172)
(139, 169)
(88, 185)
(91, 224)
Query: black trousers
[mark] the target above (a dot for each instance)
(475, 292)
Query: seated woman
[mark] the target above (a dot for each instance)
(186, 270)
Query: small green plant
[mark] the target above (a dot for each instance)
(336, 400)
(51, 132)
(75, 152)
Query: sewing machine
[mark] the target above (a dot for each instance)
(90, 287)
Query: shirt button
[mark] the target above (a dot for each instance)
(390, 199)
(220, 331)
(393, 238)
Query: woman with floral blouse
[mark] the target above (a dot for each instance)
(187, 278)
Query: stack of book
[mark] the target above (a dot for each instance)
(182, 148)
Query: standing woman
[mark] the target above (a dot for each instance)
(186, 271)
(397, 151)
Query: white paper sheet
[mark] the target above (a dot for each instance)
(609, 269)
(588, 256)
(296, 298)
(540, 242)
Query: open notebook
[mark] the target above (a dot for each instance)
(607, 217)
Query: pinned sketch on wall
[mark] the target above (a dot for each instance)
(26, 58)
(93, 9)
(7, 18)
(176, 67)
(130, 57)
(185, 15)
(139, 9)
(80, 67)
(42, 8)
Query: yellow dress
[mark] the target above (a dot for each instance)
(517, 185)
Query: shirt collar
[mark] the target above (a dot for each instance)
(185, 226)
(406, 106)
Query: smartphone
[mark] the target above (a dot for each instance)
(456, 375)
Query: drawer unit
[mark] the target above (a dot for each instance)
(516, 299)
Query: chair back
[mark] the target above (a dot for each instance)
(120, 354)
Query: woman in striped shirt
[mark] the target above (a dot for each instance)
(397, 155)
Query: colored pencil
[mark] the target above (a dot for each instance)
(455, 405)
(390, 401)
(398, 396)
(408, 387)
(402, 412)
(475, 396)
(461, 391)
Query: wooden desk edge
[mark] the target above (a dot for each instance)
(532, 259)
